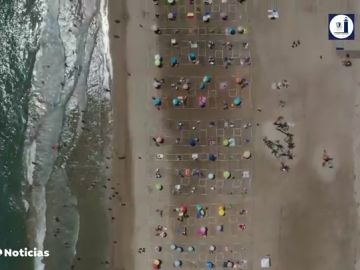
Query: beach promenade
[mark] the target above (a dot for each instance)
(198, 186)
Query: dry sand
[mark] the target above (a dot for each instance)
(306, 219)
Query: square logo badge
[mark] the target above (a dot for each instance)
(341, 26)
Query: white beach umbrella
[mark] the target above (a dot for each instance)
(155, 28)
(157, 57)
(246, 154)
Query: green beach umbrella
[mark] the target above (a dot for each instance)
(226, 142)
(157, 63)
(226, 174)
(158, 186)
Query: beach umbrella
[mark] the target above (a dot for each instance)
(192, 141)
(183, 208)
(171, 16)
(159, 139)
(202, 101)
(223, 15)
(175, 102)
(247, 154)
(156, 101)
(202, 86)
(209, 265)
(173, 61)
(212, 248)
(191, 56)
(158, 248)
(238, 80)
(155, 28)
(231, 30)
(198, 207)
(237, 101)
(157, 57)
(226, 142)
(219, 228)
(221, 211)
(177, 263)
(232, 142)
(206, 17)
(158, 186)
(157, 63)
(212, 157)
(171, 1)
(191, 249)
(157, 263)
(173, 247)
(241, 30)
(186, 86)
(156, 84)
(226, 174)
(229, 264)
(206, 79)
(179, 249)
(211, 176)
(202, 231)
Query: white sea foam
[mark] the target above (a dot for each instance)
(106, 40)
(59, 88)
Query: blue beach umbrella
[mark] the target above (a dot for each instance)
(212, 157)
(192, 141)
(202, 86)
(237, 101)
(191, 56)
(206, 79)
(173, 61)
(209, 265)
(231, 30)
(156, 101)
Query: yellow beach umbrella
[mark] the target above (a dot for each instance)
(226, 174)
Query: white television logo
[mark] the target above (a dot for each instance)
(341, 26)
(24, 253)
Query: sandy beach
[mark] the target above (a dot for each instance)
(304, 218)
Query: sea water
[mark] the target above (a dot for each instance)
(48, 52)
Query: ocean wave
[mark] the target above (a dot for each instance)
(72, 65)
